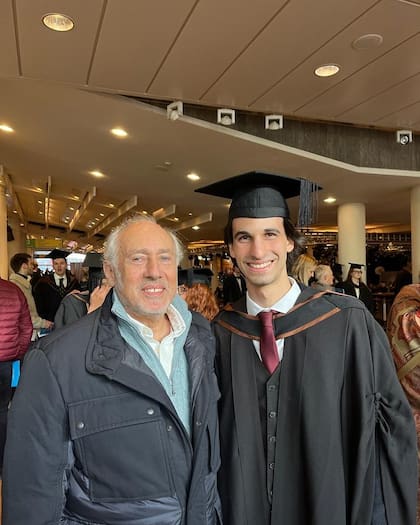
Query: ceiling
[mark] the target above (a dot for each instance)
(63, 92)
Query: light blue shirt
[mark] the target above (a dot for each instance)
(166, 359)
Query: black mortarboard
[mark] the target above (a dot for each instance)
(356, 266)
(58, 254)
(192, 276)
(259, 195)
(93, 260)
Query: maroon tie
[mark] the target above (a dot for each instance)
(268, 346)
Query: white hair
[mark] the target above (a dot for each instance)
(112, 244)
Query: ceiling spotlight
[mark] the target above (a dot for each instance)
(404, 137)
(330, 200)
(327, 70)
(226, 117)
(119, 132)
(6, 128)
(193, 176)
(174, 110)
(58, 22)
(97, 173)
(195, 228)
(274, 122)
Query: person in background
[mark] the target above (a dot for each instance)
(200, 299)
(354, 285)
(323, 278)
(403, 331)
(404, 276)
(194, 286)
(15, 337)
(36, 273)
(50, 289)
(303, 269)
(76, 304)
(234, 286)
(22, 266)
(314, 426)
(115, 417)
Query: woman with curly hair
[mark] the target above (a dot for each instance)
(200, 298)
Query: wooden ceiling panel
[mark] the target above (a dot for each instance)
(136, 35)
(209, 42)
(297, 31)
(380, 108)
(8, 57)
(302, 85)
(52, 55)
(407, 117)
(389, 70)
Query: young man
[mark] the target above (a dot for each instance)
(50, 289)
(314, 426)
(22, 266)
(115, 417)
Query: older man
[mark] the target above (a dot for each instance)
(115, 419)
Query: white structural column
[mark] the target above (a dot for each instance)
(4, 264)
(351, 219)
(415, 233)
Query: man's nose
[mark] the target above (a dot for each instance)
(153, 267)
(257, 248)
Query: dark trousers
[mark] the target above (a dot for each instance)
(5, 398)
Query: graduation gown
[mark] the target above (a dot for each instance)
(332, 435)
(47, 295)
(365, 295)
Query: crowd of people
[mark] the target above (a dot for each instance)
(147, 397)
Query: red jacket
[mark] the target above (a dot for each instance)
(15, 322)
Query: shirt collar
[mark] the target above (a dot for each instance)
(283, 305)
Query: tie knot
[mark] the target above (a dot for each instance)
(266, 318)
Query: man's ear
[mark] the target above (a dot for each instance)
(290, 245)
(109, 273)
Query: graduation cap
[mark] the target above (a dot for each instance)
(356, 266)
(93, 260)
(58, 254)
(195, 276)
(260, 195)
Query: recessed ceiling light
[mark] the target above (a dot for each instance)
(119, 132)
(111, 205)
(71, 208)
(176, 219)
(58, 22)
(144, 212)
(102, 214)
(41, 212)
(327, 70)
(6, 128)
(190, 214)
(193, 176)
(195, 227)
(14, 211)
(21, 224)
(369, 41)
(39, 202)
(97, 173)
(330, 200)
